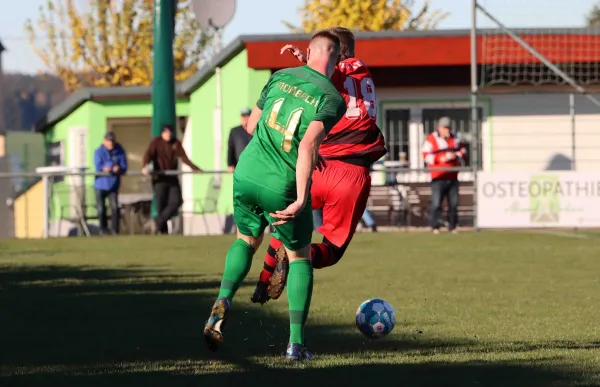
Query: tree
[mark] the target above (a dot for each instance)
(366, 15)
(109, 43)
(593, 18)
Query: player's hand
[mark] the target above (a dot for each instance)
(230, 169)
(321, 164)
(106, 169)
(295, 51)
(288, 214)
(450, 156)
(144, 171)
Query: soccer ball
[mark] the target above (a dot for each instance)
(375, 318)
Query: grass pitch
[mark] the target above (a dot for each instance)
(487, 309)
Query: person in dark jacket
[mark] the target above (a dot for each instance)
(163, 153)
(111, 160)
(239, 138)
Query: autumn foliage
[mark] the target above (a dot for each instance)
(109, 43)
(367, 15)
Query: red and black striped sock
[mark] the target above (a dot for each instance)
(322, 255)
(270, 261)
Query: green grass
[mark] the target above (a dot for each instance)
(487, 309)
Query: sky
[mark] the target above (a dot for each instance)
(265, 16)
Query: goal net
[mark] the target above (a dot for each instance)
(559, 46)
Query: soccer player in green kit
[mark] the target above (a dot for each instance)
(271, 183)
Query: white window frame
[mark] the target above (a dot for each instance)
(417, 130)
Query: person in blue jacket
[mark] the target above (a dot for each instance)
(111, 160)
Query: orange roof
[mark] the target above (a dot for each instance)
(441, 48)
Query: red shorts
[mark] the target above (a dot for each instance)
(342, 191)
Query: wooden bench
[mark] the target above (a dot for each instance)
(408, 205)
(388, 205)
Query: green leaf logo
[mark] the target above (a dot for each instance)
(544, 199)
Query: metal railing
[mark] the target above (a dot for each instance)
(70, 195)
(400, 197)
(64, 201)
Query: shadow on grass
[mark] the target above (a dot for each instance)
(84, 326)
(412, 375)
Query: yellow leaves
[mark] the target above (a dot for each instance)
(366, 15)
(109, 43)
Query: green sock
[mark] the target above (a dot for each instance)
(299, 291)
(237, 266)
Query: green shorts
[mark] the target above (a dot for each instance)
(252, 204)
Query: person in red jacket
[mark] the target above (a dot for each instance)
(443, 150)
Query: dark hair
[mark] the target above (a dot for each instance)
(326, 34)
(168, 127)
(346, 38)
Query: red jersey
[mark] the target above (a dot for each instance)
(356, 135)
(435, 148)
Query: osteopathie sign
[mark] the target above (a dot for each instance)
(538, 199)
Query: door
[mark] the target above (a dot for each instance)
(134, 135)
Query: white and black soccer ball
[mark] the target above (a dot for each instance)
(375, 318)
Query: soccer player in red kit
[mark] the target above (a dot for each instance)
(341, 186)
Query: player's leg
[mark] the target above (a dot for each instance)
(276, 259)
(237, 263)
(342, 190)
(273, 258)
(296, 237)
(437, 195)
(345, 203)
(452, 205)
(300, 287)
(251, 224)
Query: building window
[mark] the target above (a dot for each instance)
(461, 123)
(55, 154)
(56, 157)
(396, 134)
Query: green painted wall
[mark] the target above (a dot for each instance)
(94, 116)
(101, 112)
(240, 87)
(26, 149)
(25, 152)
(60, 132)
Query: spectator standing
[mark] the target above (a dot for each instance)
(164, 152)
(442, 149)
(111, 160)
(369, 220)
(239, 138)
(317, 218)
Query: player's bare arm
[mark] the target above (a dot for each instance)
(253, 120)
(295, 51)
(308, 154)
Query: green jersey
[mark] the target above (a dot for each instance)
(290, 101)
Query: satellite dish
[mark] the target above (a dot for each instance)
(214, 13)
